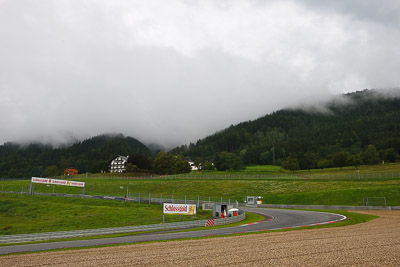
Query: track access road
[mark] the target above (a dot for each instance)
(274, 219)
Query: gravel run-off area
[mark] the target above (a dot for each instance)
(375, 243)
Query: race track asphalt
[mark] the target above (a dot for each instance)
(274, 219)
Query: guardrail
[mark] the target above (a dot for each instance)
(325, 207)
(7, 239)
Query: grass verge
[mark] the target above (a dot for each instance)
(24, 214)
(250, 218)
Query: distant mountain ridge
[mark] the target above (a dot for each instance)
(349, 123)
(90, 155)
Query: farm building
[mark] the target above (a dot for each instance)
(70, 171)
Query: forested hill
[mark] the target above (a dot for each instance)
(91, 155)
(349, 125)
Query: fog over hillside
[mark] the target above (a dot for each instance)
(172, 73)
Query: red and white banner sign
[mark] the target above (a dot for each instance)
(57, 182)
(184, 209)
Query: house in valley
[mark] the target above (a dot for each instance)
(193, 166)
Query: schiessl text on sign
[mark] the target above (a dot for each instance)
(186, 209)
(57, 182)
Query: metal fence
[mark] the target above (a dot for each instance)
(248, 176)
(124, 194)
(291, 176)
(14, 179)
(149, 198)
(115, 230)
(140, 198)
(327, 207)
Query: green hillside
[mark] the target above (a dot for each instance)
(337, 136)
(91, 155)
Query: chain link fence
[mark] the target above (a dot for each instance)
(286, 176)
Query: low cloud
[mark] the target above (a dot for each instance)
(171, 74)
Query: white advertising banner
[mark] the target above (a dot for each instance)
(57, 182)
(184, 209)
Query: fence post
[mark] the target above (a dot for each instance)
(149, 198)
(198, 201)
(139, 197)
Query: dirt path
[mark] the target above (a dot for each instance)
(375, 243)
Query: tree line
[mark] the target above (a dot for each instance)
(91, 155)
(346, 132)
(362, 128)
(163, 164)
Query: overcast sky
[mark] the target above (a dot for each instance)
(171, 72)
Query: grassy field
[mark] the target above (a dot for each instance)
(381, 168)
(33, 214)
(274, 191)
(26, 214)
(378, 181)
(266, 171)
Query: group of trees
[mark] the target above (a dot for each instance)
(166, 163)
(139, 163)
(223, 161)
(340, 135)
(163, 164)
(226, 161)
(311, 160)
(91, 155)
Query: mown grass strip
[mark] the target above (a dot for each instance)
(24, 214)
(250, 218)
